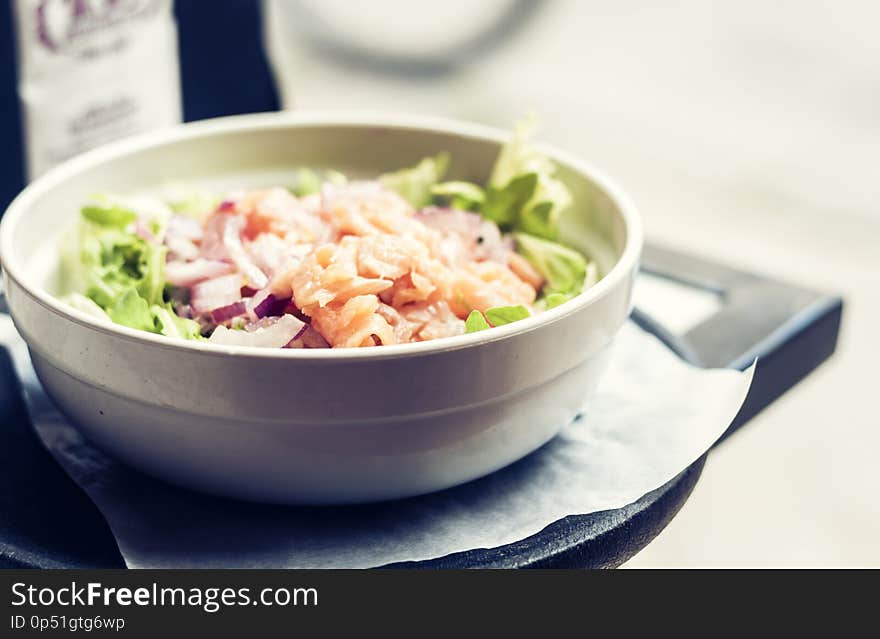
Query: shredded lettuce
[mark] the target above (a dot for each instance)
(555, 299)
(539, 220)
(152, 284)
(517, 156)
(414, 184)
(475, 322)
(564, 269)
(496, 316)
(503, 205)
(130, 309)
(196, 203)
(538, 214)
(500, 315)
(522, 194)
(335, 177)
(171, 325)
(308, 181)
(111, 272)
(109, 215)
(464, 196)
(82, 303)
(116, 261)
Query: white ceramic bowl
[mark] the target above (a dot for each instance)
(313, 426)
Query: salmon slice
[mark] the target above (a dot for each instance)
(366, 269)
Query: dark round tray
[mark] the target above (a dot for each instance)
(603, 539)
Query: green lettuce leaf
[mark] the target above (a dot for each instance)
(539, 214)
(109, 215)
(100, 262)
(544, 222)
(518, 156)
(464, 196)
(308, 181)
(539, 220)
(168, 323)
(500, 315)
(110, 211)
(152, 270)
(503, 204)
(335, 177)
(86, 305)
(475, 322)
(564, 269)
(109, 261)
(414, 184)
(192, 202)
(130, 309)
(109, 271)
(555, 299)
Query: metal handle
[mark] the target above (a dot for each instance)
(788, 329)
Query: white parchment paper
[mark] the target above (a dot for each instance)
(651, 417)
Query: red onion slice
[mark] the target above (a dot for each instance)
(268, 252)
(216, 293)
(235, 250)
(271, 305)
(256, 299)
(483, 235)
(190, 273)
(212, 239)
(275, 332)
(452, 221)
(184, 226)
(181, 247)
(226, 313)
(491, 245)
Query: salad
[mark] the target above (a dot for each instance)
(330, 263)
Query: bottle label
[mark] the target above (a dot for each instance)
(93, 71)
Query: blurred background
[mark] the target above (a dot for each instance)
(747, 132)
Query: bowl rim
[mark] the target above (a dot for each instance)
(17, 209)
